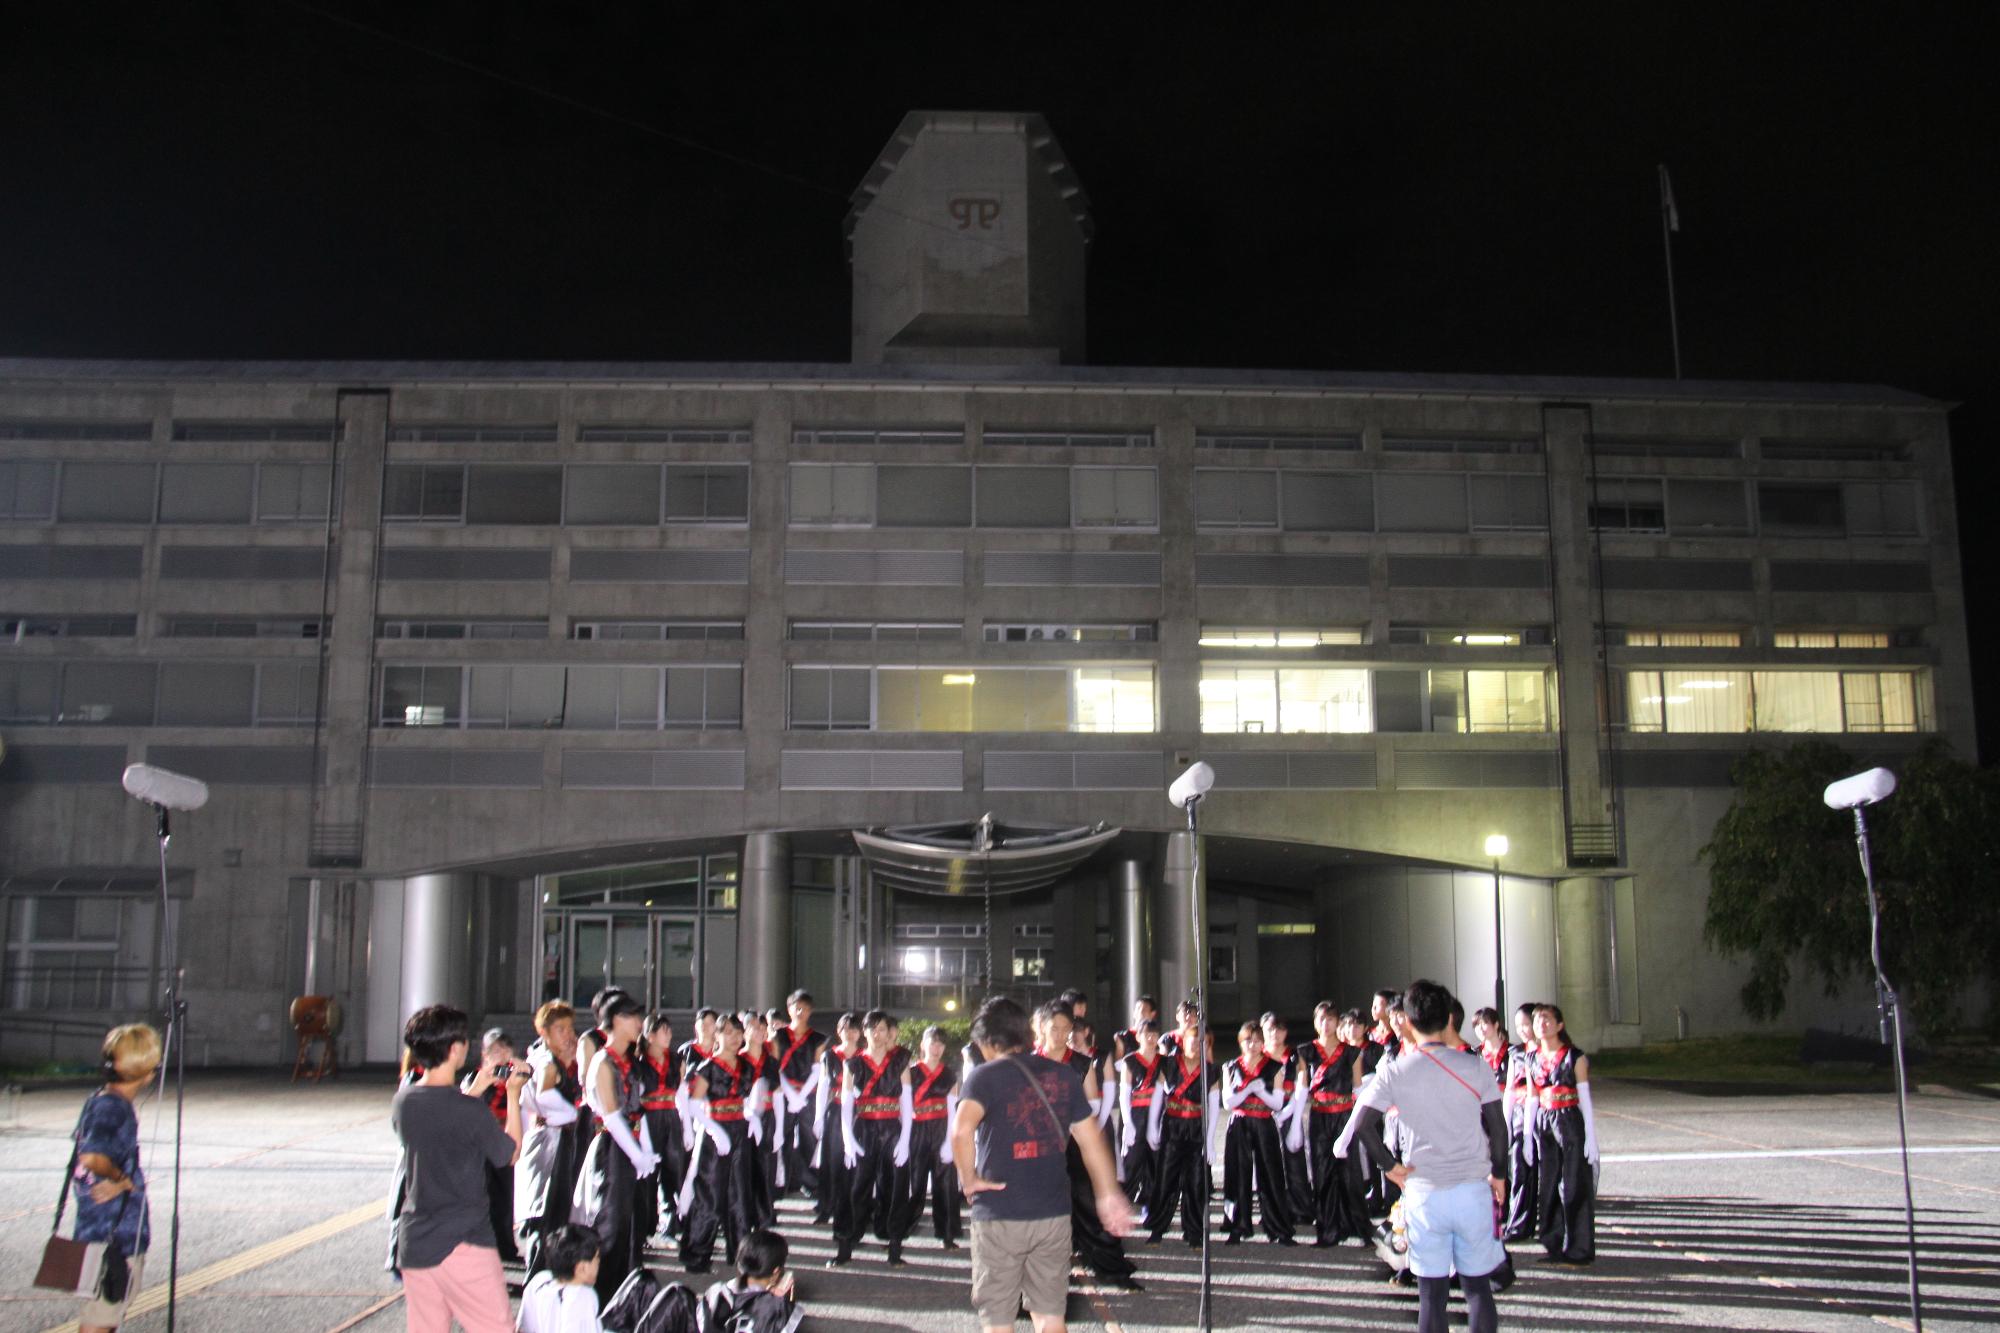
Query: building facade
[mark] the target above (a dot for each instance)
(514, 680)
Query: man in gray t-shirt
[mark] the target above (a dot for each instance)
(1454, 1172)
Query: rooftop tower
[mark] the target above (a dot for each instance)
(967, 242)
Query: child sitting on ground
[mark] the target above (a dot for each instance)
(759, 1298)
(561, 1298)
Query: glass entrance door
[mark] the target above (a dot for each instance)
(609, 950)
(676, 968)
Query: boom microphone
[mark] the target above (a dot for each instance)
(1192, 785)
(166, 789)
(1861, 789)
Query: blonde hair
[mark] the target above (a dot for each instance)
(554, 1011)
(131, 1052)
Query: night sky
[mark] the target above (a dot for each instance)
(1339, 187)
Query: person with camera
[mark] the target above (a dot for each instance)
(445, 1244)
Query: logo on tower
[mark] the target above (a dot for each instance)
(970, 211)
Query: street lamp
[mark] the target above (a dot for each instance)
(1496, 847)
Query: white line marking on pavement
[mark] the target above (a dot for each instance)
(1796, 1152)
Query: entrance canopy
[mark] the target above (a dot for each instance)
(979, 857)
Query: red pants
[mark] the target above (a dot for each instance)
(468, 1286)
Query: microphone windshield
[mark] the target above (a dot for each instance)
(1861, 789)
(1192, 785)
(159, 786)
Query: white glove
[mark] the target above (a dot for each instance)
(852, 1153)
(1296, 1140)
(1589, 1124)
(720, 1138)
(756, 1129)
(908, 1115)
(944, 1153)
(1153, 1138)
(902, 1154)
(643, 1162)
(687, 1133)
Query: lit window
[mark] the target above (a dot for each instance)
(1489, 701)
(1291, 699)
(1683, 638)
(1830, 638)
(1797, 701)
(1276, 636)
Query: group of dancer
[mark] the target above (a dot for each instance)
(692, 1144)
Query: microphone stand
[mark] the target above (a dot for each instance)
(1198, 992)
(176, 1043)
(1889, 1008)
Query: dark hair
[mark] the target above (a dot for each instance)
(1250, 1025)
(800, 996)
(1325, 1007)
(495, 1037)
(1556, 1010)
(1151, 1025)
(1353, 1016)
(749, 1016)
(1186, 1009)
(657, 1020)
(1385, 995)
(1274, 1020)
(1457, 1014)
(567, 1246)
(1399, 1006)
(725, 1022)
(1486, 1014)
(761, 1255)
(700, 1014)
(775, 1018)
(1527, 1007)
(875, 1018)
(1149, 1002)
(1428, 1005)
(847, 1019)
(1000, 1024)
(1083, 1027)
(618, 1004)
(432, 1032)
(1073, 997)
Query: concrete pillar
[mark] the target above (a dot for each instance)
(764, 920)
(1135, 939)
(437, 942)
(1583, 943)
(1176, 928)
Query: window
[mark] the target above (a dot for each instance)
(1793, 700)
(287, 693)
(76, 430)
(207, 694)
(520, 697)
(27, 492)
(1707, 508)
(684, 631)
(844, 631)
(421, 696)
(14, 629)
(1031, 966)
(835, 494)
(613, 699)
(1787, 701)
(1628, 504)
(514, 496)
(661, 435)
(1658, 449)
(458, 433)
(612, 493)
(1832, 638)
(1140, 632)
(1316, 443)
(1236, 497)
(1830, 451)
(1269, 636)
(1115, 497)
(1683, 638)
(293, 492)
(28, 691)
(852, 435)
(1879, 700)
(1471, 636)
(1429, 444)
(252, 432)
(1509, 502)
(830, 699)
(1421, 501)
(707, 493)
(116, 694)
(1329, 501)
(430, 493)
(1473, 702)
(1222, 964)
(1881, 508)
(1112, 699)
(1800, 510)
(77, 952)
(462, 629)
(1071, 439)
(923, 497)
(1023, 497)
(206, 492)
(106, 493)
(1289, 699)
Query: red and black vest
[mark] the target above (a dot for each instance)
(1330, 1084)
(878, 1092)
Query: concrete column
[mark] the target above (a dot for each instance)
(1574, 604)
(764, 920)
(1176, 931)
(437, 942)
(1583, 943)
(1134, 936)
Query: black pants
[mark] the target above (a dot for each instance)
(1523, 1185)
(933, 1179)
(1183, 1182)
(1379, 1193)
(1568, 1187)
(500, 1207)
(724, 1188)
(1338, 1210)
(657, 1210)
(1298, 1176)
(801, 1136)
(1101, 1252)
(835, 1180)
(1253, 1167)
(879, 1190)
(551, 1206)
(765, 1151)
(607, 1201)
(1142, 1166)
(1434, 1296)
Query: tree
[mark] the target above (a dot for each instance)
(1785, 882)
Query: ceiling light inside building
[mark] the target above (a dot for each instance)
(959, 678)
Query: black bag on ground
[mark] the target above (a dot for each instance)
(672, 1311)
(628, 1304)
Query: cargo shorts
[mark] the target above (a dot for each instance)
(1020, 1263)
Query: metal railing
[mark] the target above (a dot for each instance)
(46, 989)
(335, 846)
(1593, 845)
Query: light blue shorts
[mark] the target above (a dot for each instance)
(1450, 1230)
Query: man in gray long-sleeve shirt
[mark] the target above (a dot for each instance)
(1455, 1173)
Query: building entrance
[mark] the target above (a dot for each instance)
(665, 932)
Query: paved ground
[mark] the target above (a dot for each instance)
(1719, 1213)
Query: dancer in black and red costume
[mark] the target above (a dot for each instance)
(1099, 1250)
(933, 1084)
(551, 1137)
(1251, 1166)
(876, 1116)
(1332, 1069)
(1565, 1143)
(720, 1192)
(1189, 1082)
(606, 1198)
(660, 1075)
(1138, 1084)
(798, 1049)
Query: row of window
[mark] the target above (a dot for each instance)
(1739, 701)
(45, 492)
(539, 697)
(960, 496)
(166, 694)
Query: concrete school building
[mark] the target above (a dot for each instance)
(515, 680)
